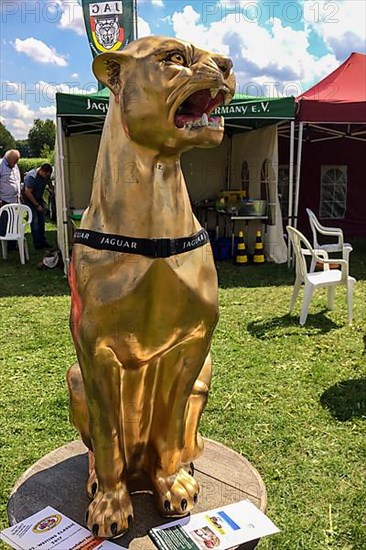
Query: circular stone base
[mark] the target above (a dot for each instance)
(58, 480)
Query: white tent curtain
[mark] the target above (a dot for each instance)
(75, 159)
(259, 149)
(205, 171)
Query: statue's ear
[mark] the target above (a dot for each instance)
(107, 69)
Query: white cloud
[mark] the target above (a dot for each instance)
(17, 117)
(143, 27)
(75, 75)
(39, 51)
(158, 3)
(274, 54)
(47, 112)
(72, 16)
(18, 128)
(341, 24)
(68, 14)
(16, 109)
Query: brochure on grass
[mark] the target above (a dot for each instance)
(50, 529)
(221, 528)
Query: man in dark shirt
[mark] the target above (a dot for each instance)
(34, 186)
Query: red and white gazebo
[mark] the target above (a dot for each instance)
(331, 119)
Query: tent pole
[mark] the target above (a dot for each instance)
(229, 157)
(298, 168)
(135, 19)
(290, 185)
(63, 195)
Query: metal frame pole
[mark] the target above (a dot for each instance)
(63, 194)
(298, 171)
(135, 17)
(290, 185)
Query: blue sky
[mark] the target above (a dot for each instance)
(279, 47)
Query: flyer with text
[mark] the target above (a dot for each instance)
(222, 528)
(50, 529)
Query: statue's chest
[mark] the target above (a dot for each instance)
(178, 292)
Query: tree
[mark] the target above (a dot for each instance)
(43, 132)
(45, 151)
(23, 148)
(6, 140)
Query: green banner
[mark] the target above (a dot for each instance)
(110, 25)
(83, 105)
(258, 108)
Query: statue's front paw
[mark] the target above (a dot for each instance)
(92, 484)
(189, 468)
(176, 494)
(110, 514)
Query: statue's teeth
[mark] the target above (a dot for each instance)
(214, 92)
(204, 120)
(228, 98)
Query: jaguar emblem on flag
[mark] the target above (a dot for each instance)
(106, 21)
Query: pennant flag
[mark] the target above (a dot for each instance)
(110, 25)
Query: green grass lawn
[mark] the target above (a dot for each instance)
(291, 399)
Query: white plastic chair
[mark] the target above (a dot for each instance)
(15, 229)
(339, 246)
(329, 278)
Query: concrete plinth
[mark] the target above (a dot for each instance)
(58, 479)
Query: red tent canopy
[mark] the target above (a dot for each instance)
(338, 98)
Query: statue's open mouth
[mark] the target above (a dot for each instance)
(195, 111)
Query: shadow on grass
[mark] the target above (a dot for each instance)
(288, 325)
(27, 280)
(253, 276)
(346, 400)
(357, 261)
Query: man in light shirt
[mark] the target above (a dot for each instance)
(9, 178)
(9, 186)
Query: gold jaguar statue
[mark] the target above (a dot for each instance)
(142, 322)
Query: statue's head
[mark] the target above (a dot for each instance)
(166, 90)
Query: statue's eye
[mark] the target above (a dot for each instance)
(177, 58)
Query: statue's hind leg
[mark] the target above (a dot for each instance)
(78, 409)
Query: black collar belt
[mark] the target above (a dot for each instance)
(153, 248)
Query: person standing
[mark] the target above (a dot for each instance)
(34, 185)
(9, 178)
(9, 186)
